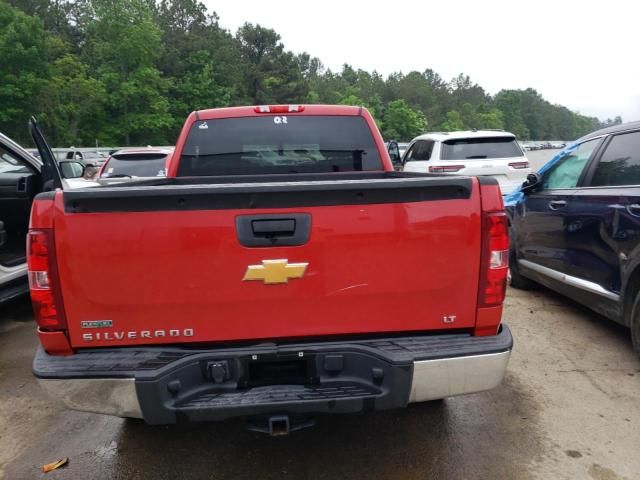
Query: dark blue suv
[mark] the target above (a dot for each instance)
(575, 225)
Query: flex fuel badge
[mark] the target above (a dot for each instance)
(97, 324)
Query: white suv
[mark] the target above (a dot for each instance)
(483, 152)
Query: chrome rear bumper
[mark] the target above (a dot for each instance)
(111, 396)
(432, 379)
(447, 377)
(167, 385)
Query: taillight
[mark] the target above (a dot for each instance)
(495, 259)
(45, 294)
(278, 108)
(445, 168)
(519, 165)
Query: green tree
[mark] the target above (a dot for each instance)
(469, 116)
(23, 69)
(508, 102)
(199, 59)
(414, 89)
(272, 74)
(57, 16)
(464, 91)
(401, 122)
(491, 118)
(454, 122)
(199, 87)
(125, 44)
(129, 71)
(73, 109)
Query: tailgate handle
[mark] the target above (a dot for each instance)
(271, 230)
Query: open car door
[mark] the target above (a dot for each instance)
(51, 177)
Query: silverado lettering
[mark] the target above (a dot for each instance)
(132, 335)
(270, 236)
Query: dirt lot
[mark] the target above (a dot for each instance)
(569, 408)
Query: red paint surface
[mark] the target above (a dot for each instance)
(372, 268)
(55, 343)
(488, 321)
(41, 214)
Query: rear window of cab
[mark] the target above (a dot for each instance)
(279, 144)
(480, 148)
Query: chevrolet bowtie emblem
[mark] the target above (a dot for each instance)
(275, 271)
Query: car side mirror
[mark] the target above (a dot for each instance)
(394, 152)
(532, 182)
(71, 169)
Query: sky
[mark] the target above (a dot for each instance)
(578, 54)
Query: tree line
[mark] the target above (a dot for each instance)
(128, 72)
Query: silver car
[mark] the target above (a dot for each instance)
(134, 164)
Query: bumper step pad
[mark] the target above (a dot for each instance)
(279, 394)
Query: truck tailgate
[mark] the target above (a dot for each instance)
(165, 265)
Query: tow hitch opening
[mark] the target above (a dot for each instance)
(279, 425)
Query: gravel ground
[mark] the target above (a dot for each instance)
(569, 408)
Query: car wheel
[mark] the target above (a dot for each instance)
(635, 324)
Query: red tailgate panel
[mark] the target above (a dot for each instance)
(372, 268)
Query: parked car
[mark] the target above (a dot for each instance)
(402, 147)
(575, 225)
(21, 179)
(480, 153)
(399, 148)
(260, 284)
(133, 164)
(91, 159)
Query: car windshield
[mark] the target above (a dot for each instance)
(135, 165)
(279, 144)
(480, 148)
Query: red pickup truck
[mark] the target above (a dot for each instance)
(282, 269)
